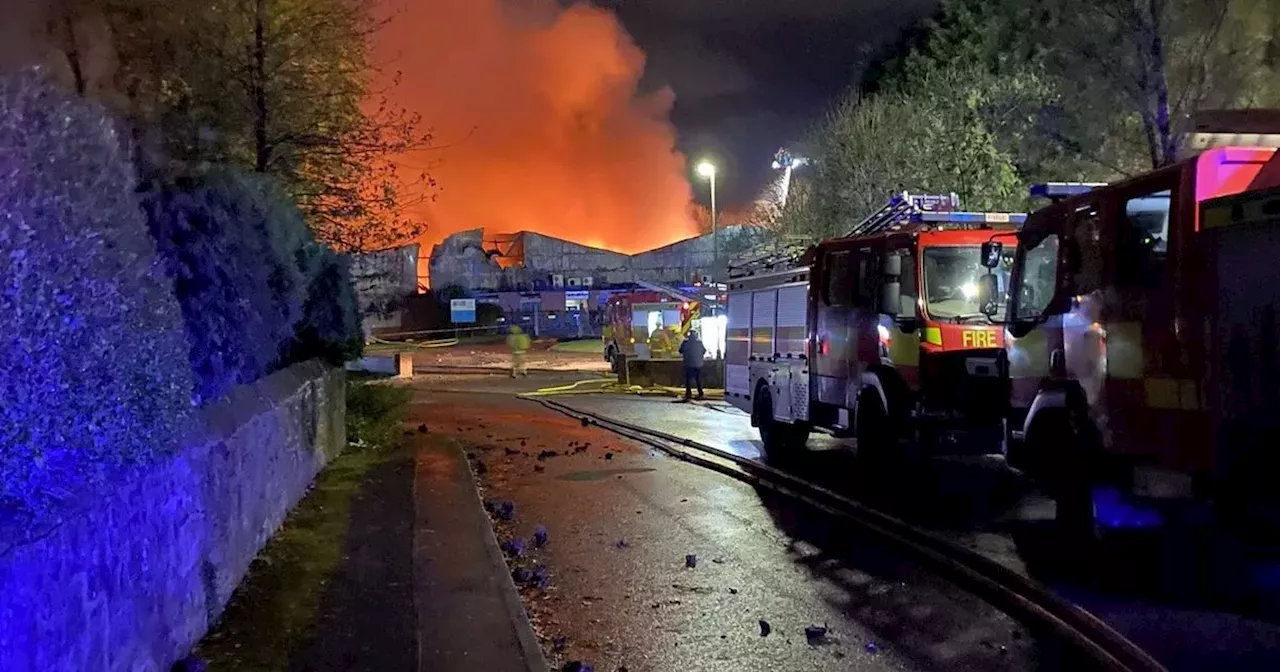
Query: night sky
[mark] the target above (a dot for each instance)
(752, 75)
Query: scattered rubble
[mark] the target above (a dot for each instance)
(546, 454)
(608, 456)
(815, 634)
(540, 536)
(422, 429)
(622, 543)
(871, 647)
(691, 561)
(765, 628)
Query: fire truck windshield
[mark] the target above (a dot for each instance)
(951, 283)
(1037, 280)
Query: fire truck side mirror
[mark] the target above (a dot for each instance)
(988, 294)
(991, 251)
(890, 298)
(893, 266)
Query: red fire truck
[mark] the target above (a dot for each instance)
(654, 319)
(875, 335)
(1141, 340)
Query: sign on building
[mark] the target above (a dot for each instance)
(462, 311)
(577, 295)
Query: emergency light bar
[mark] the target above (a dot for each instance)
(970, 217)
(1211, 129)
(1057, 191)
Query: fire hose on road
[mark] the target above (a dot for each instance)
(1017, 595)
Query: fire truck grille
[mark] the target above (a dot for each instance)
(965, 384)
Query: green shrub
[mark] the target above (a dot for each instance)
(330, 327)
(93, 368)
(232, 244)
(374, 413)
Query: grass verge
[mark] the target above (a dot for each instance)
(277, 608)
(581, 346)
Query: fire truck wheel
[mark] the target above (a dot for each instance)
(872, 428)
(778, 437)
(1065, 470)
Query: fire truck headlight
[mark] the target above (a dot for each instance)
(970, 291)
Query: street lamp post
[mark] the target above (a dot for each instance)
(708, 170)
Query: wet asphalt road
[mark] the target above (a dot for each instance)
(637, 606)
(978, 504)
(975, 503)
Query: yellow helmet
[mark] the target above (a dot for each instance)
(514, 329)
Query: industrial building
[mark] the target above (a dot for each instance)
(558, 286)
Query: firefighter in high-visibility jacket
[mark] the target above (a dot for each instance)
(519, 343)
(661, 345)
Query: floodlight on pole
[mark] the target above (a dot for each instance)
(708, 170)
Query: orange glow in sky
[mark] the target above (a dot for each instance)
(538, 123)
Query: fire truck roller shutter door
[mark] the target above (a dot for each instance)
(737, 373)
(793, 325)
(764, 305)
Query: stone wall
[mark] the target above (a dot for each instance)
(132, 579)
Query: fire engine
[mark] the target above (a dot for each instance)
(875, 335)
(1142, 338)
(649, 322)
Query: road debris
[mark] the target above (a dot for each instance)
(576, 666)
(513, 547)
(871, 647)
(546, 454)
(608, 456)
(815, 634)
(691, 561)
(511, 451)
(422, 429)
(622, 543)
(539, 536)
(765, 628)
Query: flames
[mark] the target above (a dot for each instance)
(539, 123)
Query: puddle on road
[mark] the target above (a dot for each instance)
(601, 474)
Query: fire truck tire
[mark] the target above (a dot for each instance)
(1060, 438)
(871, 427)
(779, 438)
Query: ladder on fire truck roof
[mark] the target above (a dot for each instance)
(787, 255)
(669, 291)
(907, 208)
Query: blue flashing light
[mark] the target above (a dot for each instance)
(1113, 511)
(972, 217)
(1057, 190)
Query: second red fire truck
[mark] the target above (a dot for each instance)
(1142, 346)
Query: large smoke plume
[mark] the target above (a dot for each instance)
(539, 123)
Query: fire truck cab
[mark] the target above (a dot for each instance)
(1141, 337)
(875, 335)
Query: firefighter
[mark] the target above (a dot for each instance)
(519, 343)
(693, 353)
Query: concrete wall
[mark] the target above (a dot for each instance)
(131, 580)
